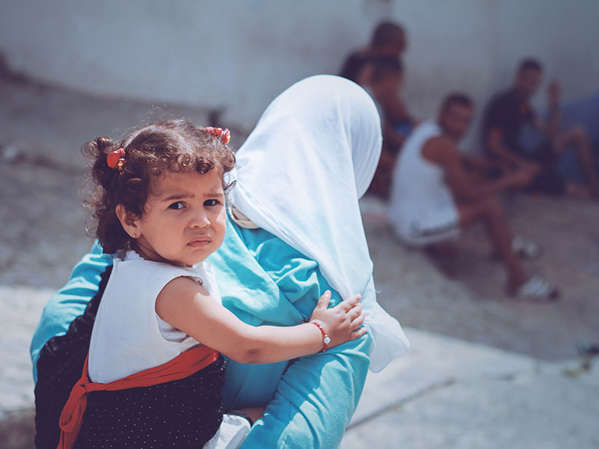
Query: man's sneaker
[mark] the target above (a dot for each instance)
(525, 248)
(537, 288)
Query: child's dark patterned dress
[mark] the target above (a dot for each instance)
(180, 414)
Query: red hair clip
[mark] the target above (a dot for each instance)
(116, 159)
(223, 134)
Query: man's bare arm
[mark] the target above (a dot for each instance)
(480, 164)
(551, 125)
(443, 152)
(497, 147)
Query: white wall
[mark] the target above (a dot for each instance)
(239, 54)
(476, 45)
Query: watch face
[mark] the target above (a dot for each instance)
(327, 340)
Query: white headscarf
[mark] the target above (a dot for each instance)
(299, 176)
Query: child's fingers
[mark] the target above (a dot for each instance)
(354, 312)
(358, 333)
(358, 321)
(348, 304)
(324, 300)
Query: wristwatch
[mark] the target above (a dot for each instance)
(326, 340)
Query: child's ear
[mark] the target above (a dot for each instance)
(129, 221)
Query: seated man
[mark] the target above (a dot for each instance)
(388, 42)
(513, 133)
(434, 196)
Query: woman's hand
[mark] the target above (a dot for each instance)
(342, 322)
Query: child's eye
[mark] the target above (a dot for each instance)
(177, 205)
(211, 203)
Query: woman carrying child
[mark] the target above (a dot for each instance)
(293, 231)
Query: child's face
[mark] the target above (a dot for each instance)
(184, 219)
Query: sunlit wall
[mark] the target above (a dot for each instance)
(238, 54)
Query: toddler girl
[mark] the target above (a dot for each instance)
(153, 373)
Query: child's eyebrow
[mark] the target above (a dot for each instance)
(181, 195)
(216, 193)
(177, 196)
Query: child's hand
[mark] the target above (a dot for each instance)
(342, 322)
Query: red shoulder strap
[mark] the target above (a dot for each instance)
(182, 366)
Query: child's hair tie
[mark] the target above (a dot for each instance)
(116, 159)
(223, 134)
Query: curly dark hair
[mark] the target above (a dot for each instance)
(171, 145)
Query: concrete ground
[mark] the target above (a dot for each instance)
(463, 296)
(485, 371)
(452, 394)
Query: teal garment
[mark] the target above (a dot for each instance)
(70, 301)
(263, 281)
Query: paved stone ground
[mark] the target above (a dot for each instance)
(42, 236)
(451, 394)
(472, 305)
(21, 310)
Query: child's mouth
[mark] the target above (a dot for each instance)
(200, 242)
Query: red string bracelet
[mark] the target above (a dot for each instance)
(326, 340)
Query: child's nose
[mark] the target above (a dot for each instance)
(199, 220)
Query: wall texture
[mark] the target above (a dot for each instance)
(238, 54)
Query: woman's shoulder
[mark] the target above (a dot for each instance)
(248, 244)
(274, 254)
(257, 260)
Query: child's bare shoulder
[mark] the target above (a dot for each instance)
(180, 289)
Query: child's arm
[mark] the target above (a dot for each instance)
(189, 307)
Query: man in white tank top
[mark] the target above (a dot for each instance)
(433, 194)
